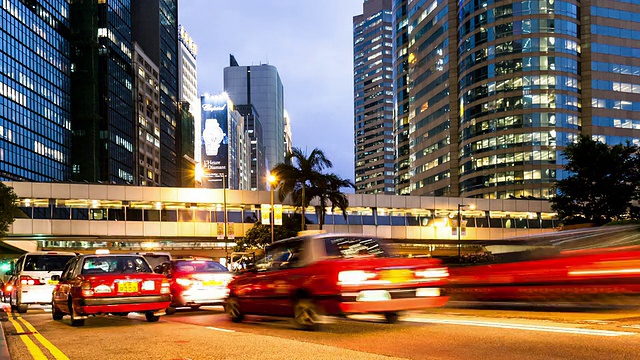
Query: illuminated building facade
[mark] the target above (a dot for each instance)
(102, 92)
(188, 81)
(373, 98)
(35, 87)
(401, 97)
(498, 89)
(147, 145)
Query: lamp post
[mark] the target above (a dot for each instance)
(272, 181)
(224, 197)
(460, 206)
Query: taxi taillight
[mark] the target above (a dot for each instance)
(86, 289)
(164, 288)
(28, 280)
(432, 274)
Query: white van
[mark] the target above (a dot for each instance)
(33, 273)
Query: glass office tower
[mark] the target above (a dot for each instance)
(35, 124)
(373, 98)
(498, 89)
(102, 90)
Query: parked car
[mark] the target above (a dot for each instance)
(34, 282)
(109, 283)
(332, 274)
(195, 282)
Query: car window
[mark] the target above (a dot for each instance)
(68, 269)
(283, 255)
(46, 262)
(114, 265)
(156, 259)
(197, 266)
(351, 247)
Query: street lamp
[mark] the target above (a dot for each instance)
(272, 182)
(460, 206)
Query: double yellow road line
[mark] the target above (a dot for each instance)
(33, 348)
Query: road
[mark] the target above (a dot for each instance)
(448, 333)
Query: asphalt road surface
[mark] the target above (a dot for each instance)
(448, 333)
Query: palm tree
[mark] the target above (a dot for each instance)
(327, 190)
(298, 173)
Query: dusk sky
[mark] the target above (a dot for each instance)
(309, 42)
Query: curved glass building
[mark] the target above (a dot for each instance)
(497, 89)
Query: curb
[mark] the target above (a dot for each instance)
(4, 348)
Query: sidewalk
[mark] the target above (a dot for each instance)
(4, 348)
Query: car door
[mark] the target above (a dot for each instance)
(283, 278)
(63, 289)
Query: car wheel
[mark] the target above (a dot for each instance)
(22, 308)
(306, 315)
(74, 321)
(151, 317)
(391, 317)
(232, 308)
(171, 310)
(55, 313)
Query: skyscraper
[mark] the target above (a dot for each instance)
(498, 89)
(188, 81)
(102, 92)
(155, 28)
(401, 97)
(35, 87)
(257, 160)
(261, 87)
(373, 98)
(147, 110)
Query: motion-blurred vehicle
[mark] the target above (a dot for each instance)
(7, 289)
(34, 282)
(109, 283)
(593, 276)
(156, 258)
(195, 283)
(308, 277)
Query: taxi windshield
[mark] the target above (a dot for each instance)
(114, 265)
(199, 266)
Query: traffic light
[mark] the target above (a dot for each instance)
(5, 265)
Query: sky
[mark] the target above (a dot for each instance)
(308, 41)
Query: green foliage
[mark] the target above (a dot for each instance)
(259, 235)
(301, 177)
(8, 208)
(602, 184)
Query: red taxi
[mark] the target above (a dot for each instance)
(330, 274)
(593, 276)
(109, 283)
(195, 283)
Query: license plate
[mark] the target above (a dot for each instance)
(397, 275)
(373, 295)
(127, 287)
(52, 282)
(212, 283)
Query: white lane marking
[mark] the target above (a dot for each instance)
(577, 331)
(219, 329)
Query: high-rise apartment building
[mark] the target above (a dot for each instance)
(35, 70)
(155, 29)
(373, 98)
(498, 89)
(261, 87)
(147, 110)
(102, 116)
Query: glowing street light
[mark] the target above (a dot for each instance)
(272, 183)
(460, 207)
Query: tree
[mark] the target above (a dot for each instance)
(327, 189)
(259, 235)
(601, 185)
(298, 173)
(8, 208)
